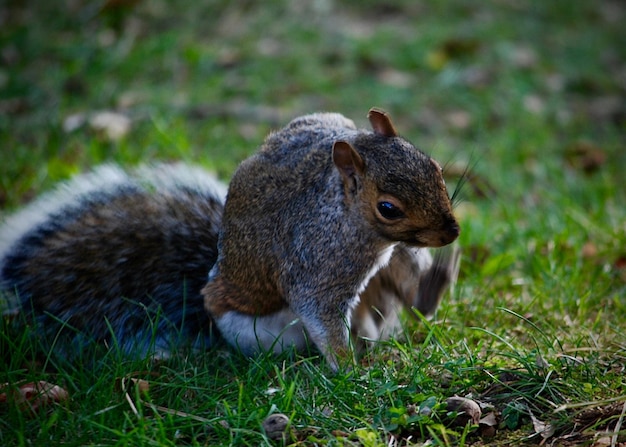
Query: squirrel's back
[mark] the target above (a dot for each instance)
(119, 251)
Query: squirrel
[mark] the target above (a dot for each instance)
(124, 256)
(309, 220)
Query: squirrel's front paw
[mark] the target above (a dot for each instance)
(339, 360)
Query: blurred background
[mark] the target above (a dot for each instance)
(82, 82)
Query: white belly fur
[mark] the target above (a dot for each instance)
(251, 334)
(281, 330)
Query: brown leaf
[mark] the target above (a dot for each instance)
(142, 385)
(524, 57)
(620, 267)
(35, 395)
(340, 434)
(585, 156)
(544, 429)
(395, 78)
(489, 419)
(112, 126)
(589, 250)
(603, 439)
(459, 119)
(534, 104)
(125, 384)
(488, 425)
(467, 410)
(459, 47)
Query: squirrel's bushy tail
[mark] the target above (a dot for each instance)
(116, 255)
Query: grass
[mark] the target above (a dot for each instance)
(530, 95)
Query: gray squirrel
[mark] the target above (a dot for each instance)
(123, 256)
(309, 220)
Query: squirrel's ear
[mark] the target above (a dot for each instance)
(347, 159)
(381, 123)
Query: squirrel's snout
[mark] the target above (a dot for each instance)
(451, 231)
(439, 236)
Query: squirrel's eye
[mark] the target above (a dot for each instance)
(389, 211)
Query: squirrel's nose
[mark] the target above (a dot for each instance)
(451, 231)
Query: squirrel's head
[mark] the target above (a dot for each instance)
(399, 189)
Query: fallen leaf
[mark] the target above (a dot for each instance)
(73, 122)
(35, 395)
(606, 108)
(589, 250)
(112, 125)
(340, 434)
(124, 384)
(467, 411)
(395, 78)
(458, 47)
(523, 57)
(544, 429)
(488, 425)
(459, 119)
(489, 419)
(142, 385)
(603, 439)
(534, 104)
(620, 262)
(585, 156)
